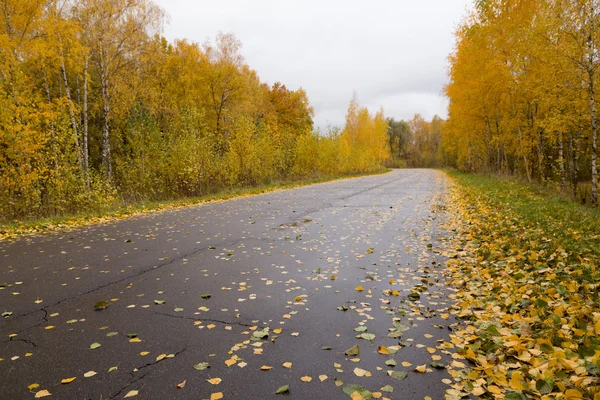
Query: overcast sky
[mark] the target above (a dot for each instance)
(392, 52)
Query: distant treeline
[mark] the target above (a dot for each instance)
(523, 92)
(98, 109)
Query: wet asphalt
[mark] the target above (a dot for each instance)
(202, 284)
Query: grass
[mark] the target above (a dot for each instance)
(14, 229)
(539, 207)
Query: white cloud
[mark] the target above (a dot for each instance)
(393, 53)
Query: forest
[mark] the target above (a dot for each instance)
(97, 108)
(523, 96)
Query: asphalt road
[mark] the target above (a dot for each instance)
(201, 284)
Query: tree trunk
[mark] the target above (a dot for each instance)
(592, 95)
(86, 164)
(72, 114)
(573, 164)
(106, 156)
(561, 164)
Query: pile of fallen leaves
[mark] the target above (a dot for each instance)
(527, 296)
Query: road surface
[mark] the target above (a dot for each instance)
(186, 287)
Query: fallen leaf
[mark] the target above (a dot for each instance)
(216, 396)
(181, 385)
(42, 393)
(201, 366)
(287, 365)
(283, 389)
(131, 393)
(214, 381)
(353, 351)
(306, 379)
(89, 374)
(94, 346)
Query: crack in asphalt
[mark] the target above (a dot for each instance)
(139, 378)
(205, 319)
(12, 339)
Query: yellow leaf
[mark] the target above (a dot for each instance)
(306, 379)
(42, 393)
(144, 353)
(230, 362)
(516, 381)
(135, 340)
(572, 394)
(383, 350)
(181, 385)
(287, 365)
(277, 330)
(359, 288)
(68, 380)
(421, 368)
(216, 396)
(494, 389)
(406, 364)
(266, 368)
(360, 372)
(49, 327)
(298, 298)
(33, 386)
(131, 393)
(214, 381)
(322, 378)
(89, 374)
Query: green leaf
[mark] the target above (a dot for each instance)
(202, 366)
(395, 334)
(350, 389)
(414, 296)
(178, 309)
(109, 334)
(95, 345)
(514, 396)
(387, 388)
(390, 363)
(206, 296)
(546, 348)
(132, 335)
(101, 305)
(260, 334)
(400, 375)
(353, 351)
(367, 336)
(545, 386)
(361, 329)
(437, 365)
(159, 302)
(285, 389)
